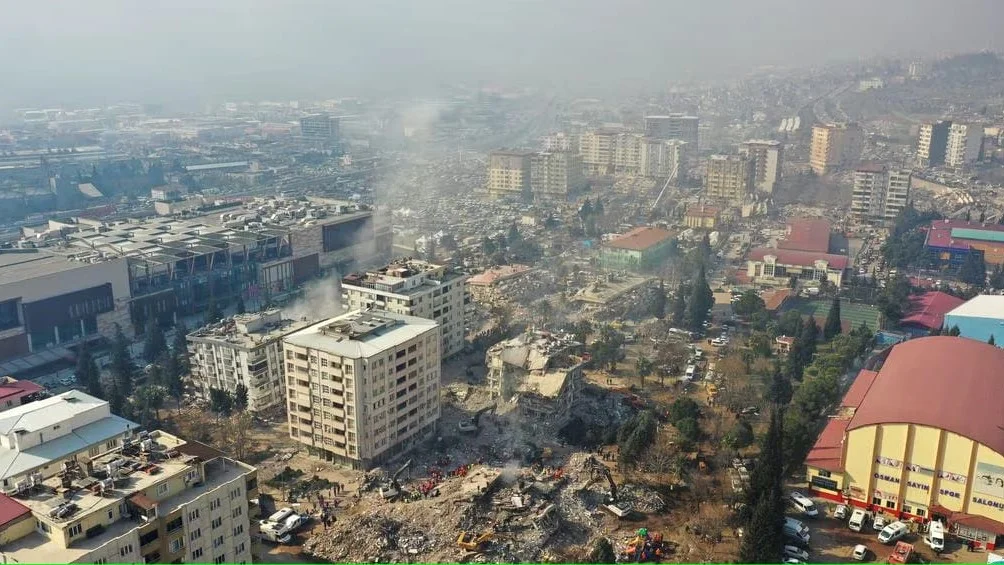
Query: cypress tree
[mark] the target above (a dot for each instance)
(832, 326)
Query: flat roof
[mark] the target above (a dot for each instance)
(981, 306)
(18, 266)
(393, 330)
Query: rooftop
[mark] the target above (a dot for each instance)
(405, 276)
(799, 258)
(981, 306)
(361, 334)
(928, 309)
(954, 384)
(956, 234)
(807, 234)
(497, 274)
(14, 387)
(18, 265)
(249, 330)
(870, 168)
(539, 353)
(640, 238)
(702, 211)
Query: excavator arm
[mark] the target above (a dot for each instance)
(394, 477)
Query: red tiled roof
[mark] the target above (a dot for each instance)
(640, 238)
(799, 258)
(18, 388)
(828, 449)
(11, 510)
(928, 310)
(949, 383)
(940, 233)
(702, 211)
(774, 300)
(858, 389)
(807, 234)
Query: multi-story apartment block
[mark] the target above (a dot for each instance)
(965, 143)
(243, 350)
(663, 158)
(508, 173)
(932, 143)
(560, 142)
(729, 177)
(879, 193)
(543, 371)
(320, 128)
(673, 126)
(364, 386)
(413, 288)
(101, 492)
(834, 146)
(766, 156)
(554, 175)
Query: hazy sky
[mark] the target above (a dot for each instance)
(100, 51)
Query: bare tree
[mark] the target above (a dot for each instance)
(235, 435)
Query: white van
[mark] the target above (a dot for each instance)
(893, 532)
(796, 530)
(279, 516)
(691, 372)
(803, 504)
(935, 537)
(273, 532)
(859, 519)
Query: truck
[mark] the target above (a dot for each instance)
(274, 532)
(859, 519)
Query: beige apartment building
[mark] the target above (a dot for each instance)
(834, 146)
(766, 155)
(729, 178)
(412, 287)
(965, 144)
(508, 173)
(364, 386)
(92, 492)
(554, 175)
(663, 158)
(879, 193)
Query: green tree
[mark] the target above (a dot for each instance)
(679, 313)
(779, 391)
(213, 314)
(221, 402)
(116, 400)
(760, 344)
(701, 301)
(149, 400)
(973, 269)
(155, 343)
(659, 301)
(894, 301)
(179, 348)
(688, 429)
(761, 542)
(955, 331)
(241, 398)
(991, 341)
(790, 323)
(749, 304)
(87, 370)
(682, 408)
(644, 366)
(122, 368)
(740, 436)
(832, 326)
(641, 436)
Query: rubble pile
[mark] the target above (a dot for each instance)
(641, 499)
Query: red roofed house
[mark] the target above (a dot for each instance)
(14, 393)
(921, 438)
(803, 253)
(16, 520)
(927, 311)
(639, 249)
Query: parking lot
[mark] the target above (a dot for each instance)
(833, 542)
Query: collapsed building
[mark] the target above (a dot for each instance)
(540, 372)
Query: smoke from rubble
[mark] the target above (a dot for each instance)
(321, 299)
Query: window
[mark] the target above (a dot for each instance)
(101, 561)
(94, 452)
(217, 542)
(907, 509)
(195, 534)
(876, 501)
(239, 530)
(196, 554)
(177, 544)
(174, 524)
(111, 445)
(239, 548)
(921, 512)
(220, 559)
(163, 488)
(125, 550)
(237, 512)
(214, 504)
(217, 522)
(235, 493)
(824, 473)
(193, 515)
(890, 504)
(148, 537)
(75, 530)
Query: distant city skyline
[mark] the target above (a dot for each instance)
(103, 51)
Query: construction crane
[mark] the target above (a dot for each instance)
(393, 488)
(471, 425)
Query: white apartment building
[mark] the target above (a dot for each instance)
(728, 177)
(965, 142)
(243, 350)
(879, 193)
(663, 158)
(364, 386)
(413, 288)
(766, 155)
(129, 497)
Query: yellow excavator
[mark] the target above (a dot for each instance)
(473, 542)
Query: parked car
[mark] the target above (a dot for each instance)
(860, 552)
(841, 512)
(879, 522)
(803, 504)
(796, 552)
